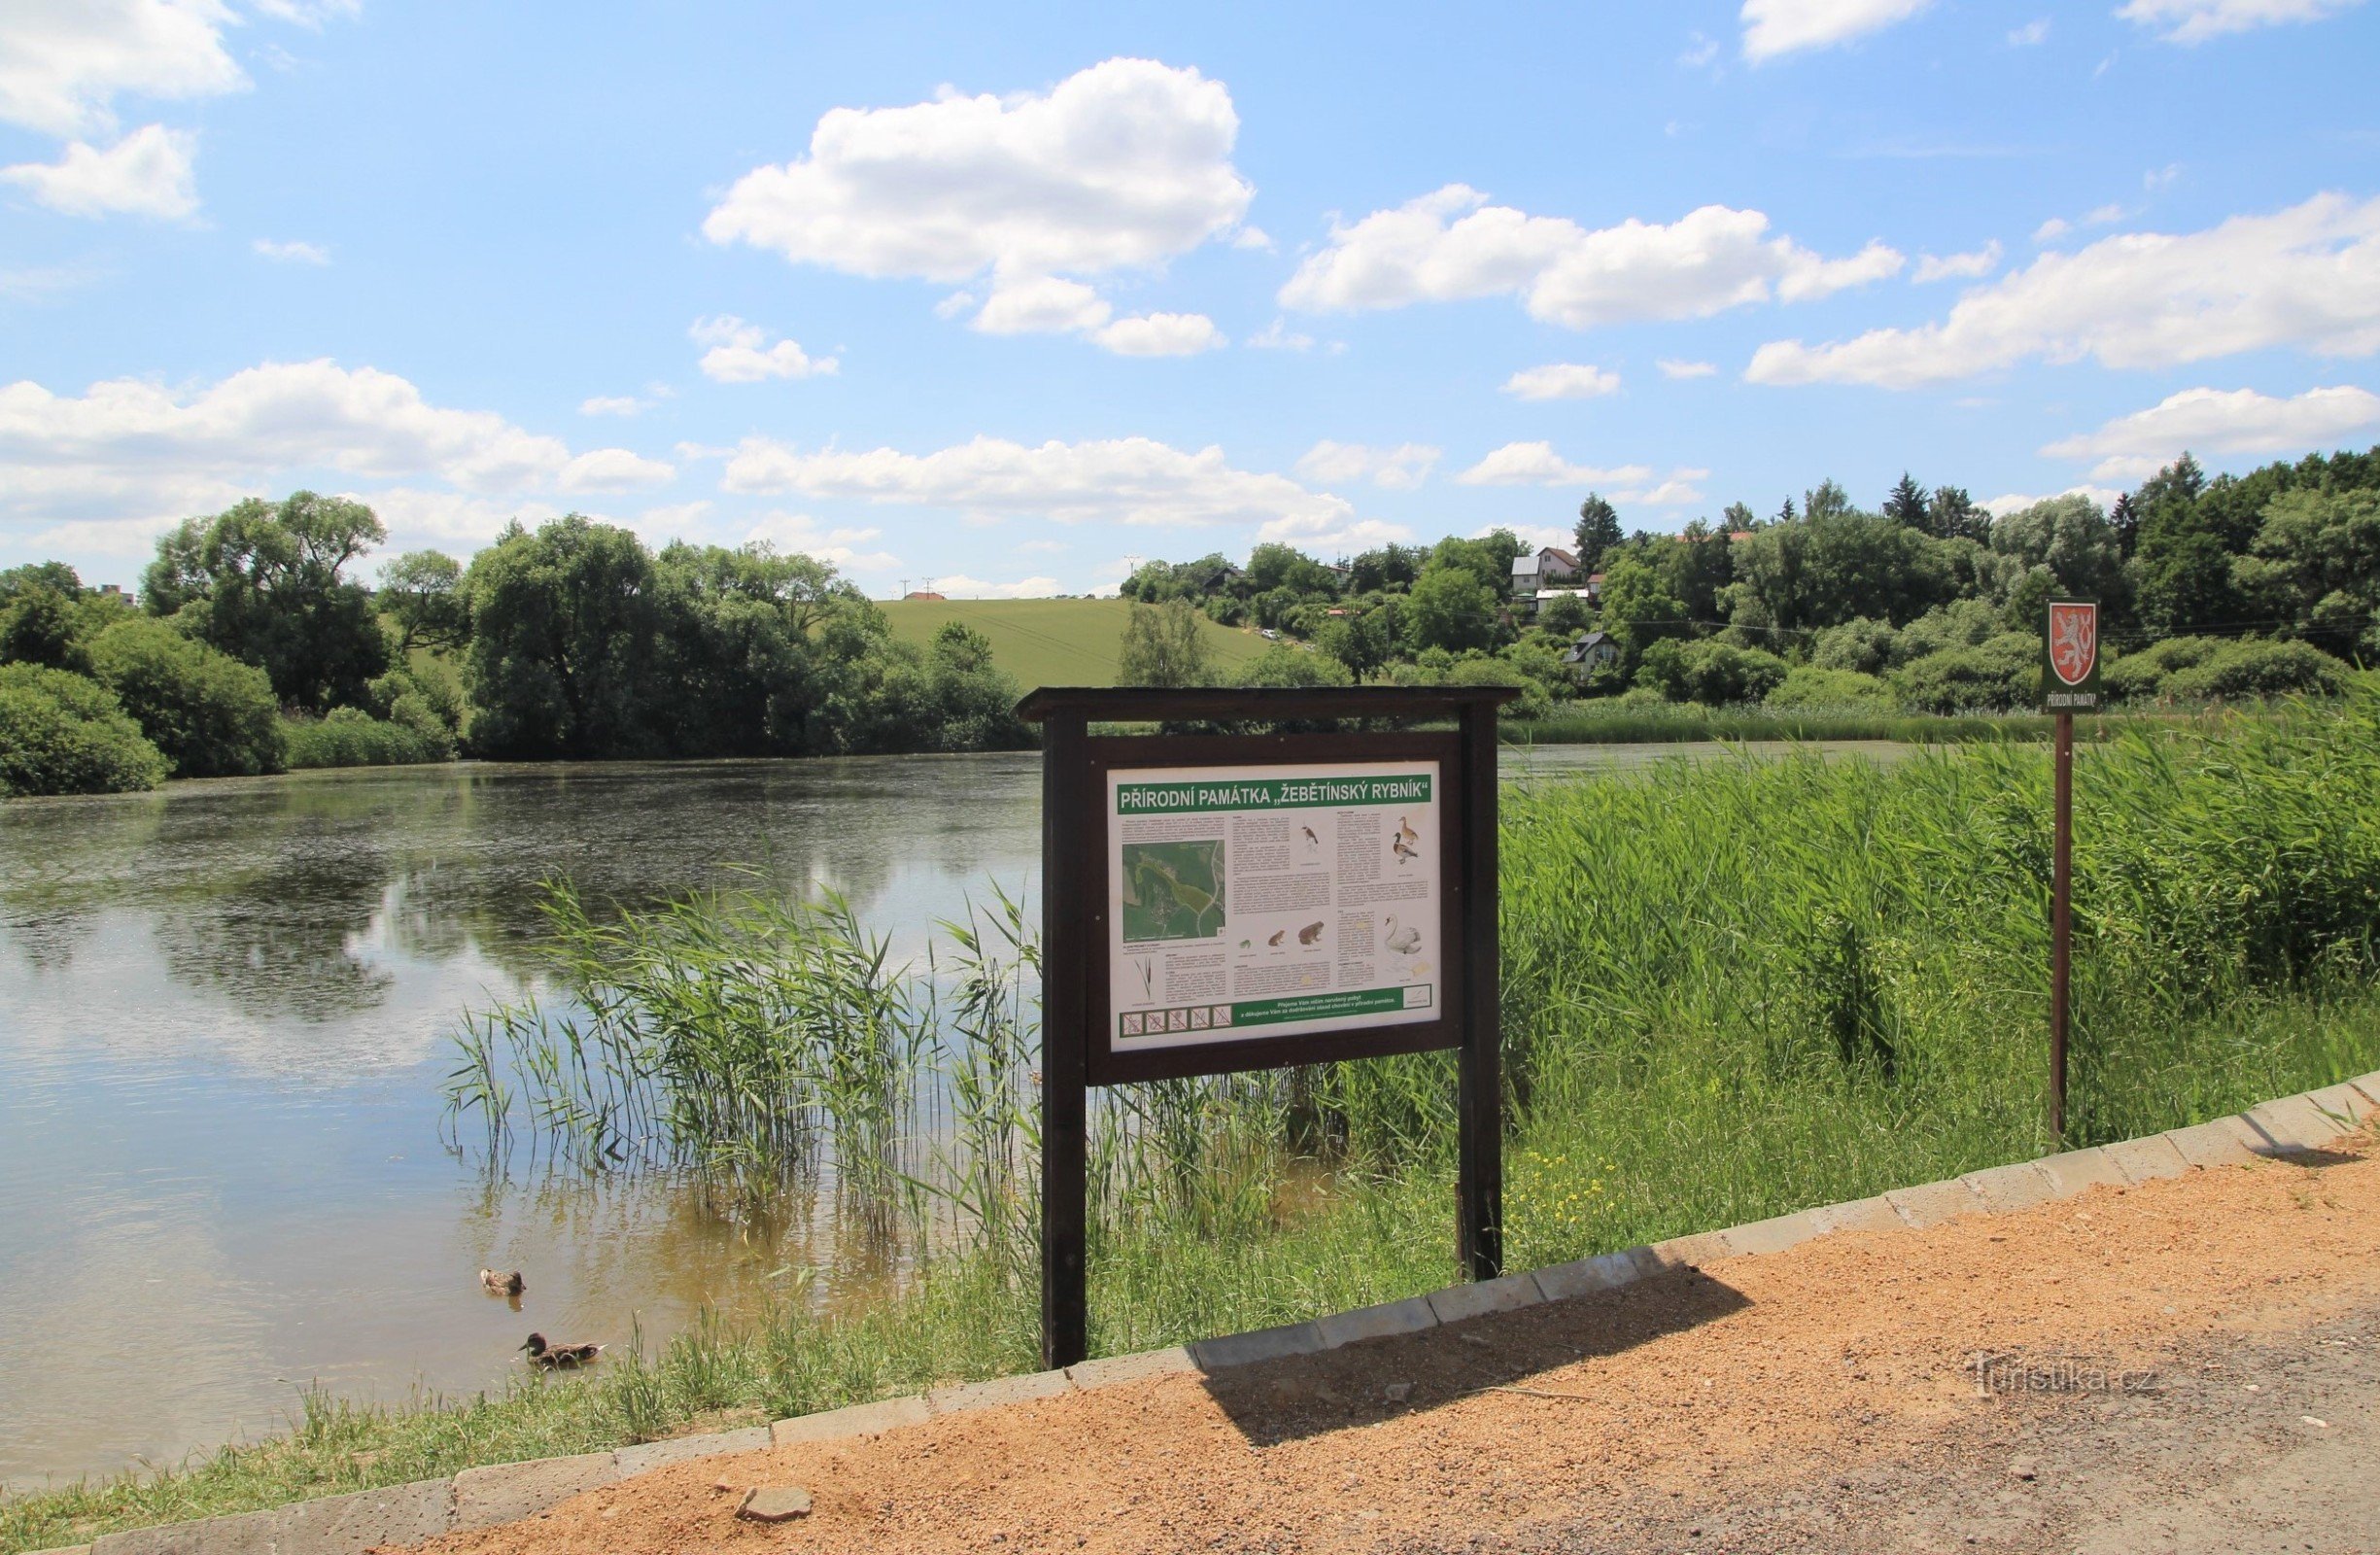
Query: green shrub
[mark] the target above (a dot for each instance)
(62, 734)
(1997, 675)
(2141, 677)
(349, 737)
(1807, 686)
(1714, 674)
(2246, 671)
(212, 715)
(1283, 665)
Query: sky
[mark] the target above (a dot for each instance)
(999, 303)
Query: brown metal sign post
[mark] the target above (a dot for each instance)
(1218, 903)
(2069, 684)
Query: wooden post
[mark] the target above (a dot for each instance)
(1064, 1045)
(2061, 903)
(1480, 1172)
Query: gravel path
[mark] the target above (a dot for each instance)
(2188, 1365)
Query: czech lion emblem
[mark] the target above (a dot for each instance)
(2074, 642)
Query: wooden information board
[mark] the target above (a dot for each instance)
(1218, 903)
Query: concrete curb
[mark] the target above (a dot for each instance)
(478, 1497)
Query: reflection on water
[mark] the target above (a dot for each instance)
(222, 1017)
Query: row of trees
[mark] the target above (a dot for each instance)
(2255, 585)
(254, 647)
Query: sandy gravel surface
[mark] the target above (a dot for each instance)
(2187, 1365)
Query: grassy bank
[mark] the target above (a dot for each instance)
(1592, 723)
(1733, 989)
(1058, 642)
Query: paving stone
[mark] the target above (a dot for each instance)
(1386, 1321)
(2006, 1190)
(1480, 1298)
(1932, 1203)
(1859, 1215)
(62, 1549)
(2292, 1124)
(646, 1457)
(775, 1503)
(507, 1493)
(248, 1534)
(2141, 1159)
(348, 1524)
(1263, 1344)
(851, 1420)
(2078, 1170)
(1566, 1282)
(2369, 1085)
(1775, 1234)
(2343, 1101)
(1689, 1252)
(1140, 1367)
(997, 1391)
(2225, 1142)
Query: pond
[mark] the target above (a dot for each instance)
(223, 1021)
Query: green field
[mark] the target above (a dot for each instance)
(1056, 643)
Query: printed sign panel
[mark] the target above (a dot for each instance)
(2070, 657)
(1273, 901)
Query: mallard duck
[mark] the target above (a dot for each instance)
(551, 1356)
(496, 1284)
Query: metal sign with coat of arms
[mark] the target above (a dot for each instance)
(2070, 657)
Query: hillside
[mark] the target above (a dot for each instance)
(1054, 642)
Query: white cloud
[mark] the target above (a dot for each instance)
(147, 173)
(1124, 480)
(2007, 502)
(416, 517)
(1974, 263)
(837, 547)
(740, 353)
(291, 252)
(1042, 304)
(1277, 336)
(1673, 367)
(1537, 536)
(2193, 21)
(2050, 230)
(1561, 380)
(1701, 50)
(2238, 421)
(1123, 165)
(310, 14)
(1327, 536)
(1538, 464)
(1451, 244)
(2159, 178)
(2032, 33)
(673, 518)
(63, 62)
(959, 586)
(136, 455)
(611, 470)
(1161, 334)
(1043, 547)
(610, 406)
(1399, 469)
(2308, 276)
(1774, 27)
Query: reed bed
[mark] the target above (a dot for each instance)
(1731, 988)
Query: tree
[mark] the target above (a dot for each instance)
(1565, 613)
(1906, 504)
(1785, 513)
(2317, 566)
(562, 644)
(2071, 537)
(62, 733)
(265, 584)
(1162, 648)
(1953, 515)
(1487, 558)
(1599, 531)
(1450, 607)
(1640, 606)
(1392, 567)
(1362, 640)
(423, 590)
(38, 625)
(1828, 500)
(1739, 517)
(1833, 567)
(210, 714)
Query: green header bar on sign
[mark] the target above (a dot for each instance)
(1271, 793)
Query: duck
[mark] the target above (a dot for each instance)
(1404, 942)
(1407, 832)
(1404, 855)
(551, 1356)
(496, 1284)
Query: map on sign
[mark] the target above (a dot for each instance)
(1273, 901)
(1173, 891)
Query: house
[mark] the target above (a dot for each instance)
(921, 594)
(1528, 576)
(1557, 565)
(1589, 652)
(1595, 588)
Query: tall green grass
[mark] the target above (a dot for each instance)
(1588, 723)
(1731, 988)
